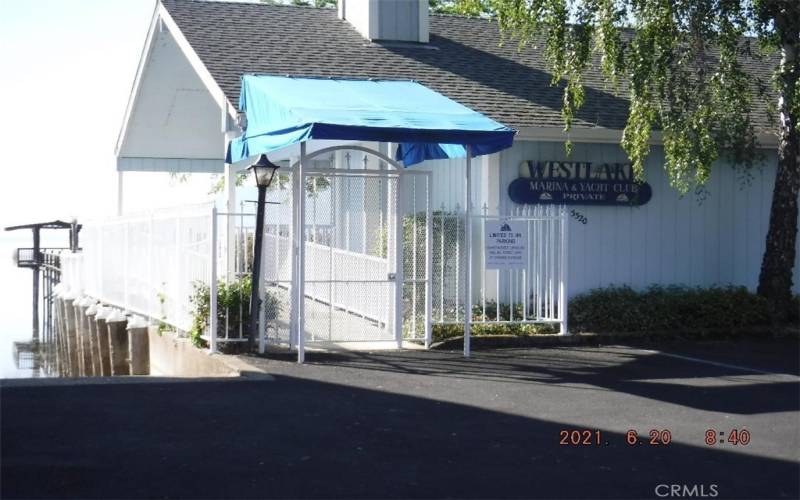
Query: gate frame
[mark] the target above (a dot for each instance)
(299, 244)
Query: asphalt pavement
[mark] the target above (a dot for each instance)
(418, 424)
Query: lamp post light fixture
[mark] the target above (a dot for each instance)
(263, 172)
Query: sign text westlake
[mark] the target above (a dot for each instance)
(578, 183)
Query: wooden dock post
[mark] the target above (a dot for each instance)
(101, 329)
(138, 346)
(71, 337)
(58, 333)
(80, 336)
(118, 343)
(84, 342)
(91, 324)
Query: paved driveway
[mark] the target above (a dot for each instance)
(423, 424)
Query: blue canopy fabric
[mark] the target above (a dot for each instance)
(425, 124)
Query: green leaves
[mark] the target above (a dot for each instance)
(233, 308)
(681, 61)
(666, 309)
(461, 7)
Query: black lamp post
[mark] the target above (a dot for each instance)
(263, 171)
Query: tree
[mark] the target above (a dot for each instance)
(682, 62)
(461, 7)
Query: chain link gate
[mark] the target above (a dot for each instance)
(415, 189)
(356, 275)
(350, 255)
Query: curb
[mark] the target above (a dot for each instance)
(588, 338)
(242, 368)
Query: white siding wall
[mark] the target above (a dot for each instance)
(670, 240)
(447, 182)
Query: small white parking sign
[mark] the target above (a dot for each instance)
(506, 244)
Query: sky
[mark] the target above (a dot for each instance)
(66, 71)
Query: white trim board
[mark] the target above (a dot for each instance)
(187, 165)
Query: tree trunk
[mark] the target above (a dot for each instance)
(777, 266)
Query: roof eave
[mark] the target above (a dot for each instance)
(608, 136)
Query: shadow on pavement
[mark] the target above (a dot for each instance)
(298, 438)
(634, 371)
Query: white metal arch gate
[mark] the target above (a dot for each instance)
(360, 260)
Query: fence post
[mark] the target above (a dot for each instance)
(414, 254)
(292, 250)
(468, 255)
(441, 263)
(153, 300)
(398, 263)
(125, 265)
(485, 213)
(175, 271)
(458, 257)
(428, 263)
(262, 293)
(212, 286)
(301, 257)
(563, 299)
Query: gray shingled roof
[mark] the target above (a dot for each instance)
(464, 60)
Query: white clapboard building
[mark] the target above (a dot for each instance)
(573, 222)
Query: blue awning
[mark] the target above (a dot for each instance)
(425, 124)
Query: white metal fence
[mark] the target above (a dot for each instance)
(153, 263)
(148, 263)
(537, 292)
(374, 249)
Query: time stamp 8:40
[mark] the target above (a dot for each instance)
(655, 437)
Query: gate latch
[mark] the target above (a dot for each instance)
(391, 276)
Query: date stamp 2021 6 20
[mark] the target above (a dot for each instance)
(596, 437)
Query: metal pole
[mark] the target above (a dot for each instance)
(301, 257)
(230, 228)
(441, 264)
(37, 262)
(212, 286)
(458, 256)
(126, 264)
(485, 211)
(119, 192)
(414, 275)
(428, 263)
(255, 301)
(563, 300)
(398, 263)
(262, 295)
(468, 252)
(155, 310)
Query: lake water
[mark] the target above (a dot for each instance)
(15, 297)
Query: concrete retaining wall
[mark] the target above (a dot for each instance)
(171, 356)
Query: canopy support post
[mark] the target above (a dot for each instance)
(230, 208)
(399, 246)
(119, 192)
(300, 292)
(468, 254)
(212, 282)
